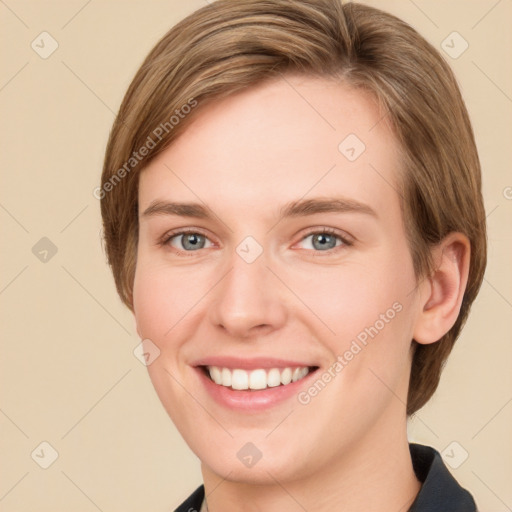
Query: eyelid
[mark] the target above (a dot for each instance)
(344, 236)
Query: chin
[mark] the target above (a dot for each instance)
(259, 463)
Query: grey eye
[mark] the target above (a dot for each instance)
(189, 241)
(322, 241)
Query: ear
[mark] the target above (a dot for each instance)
(441, 293)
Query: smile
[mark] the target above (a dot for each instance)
(256, 379)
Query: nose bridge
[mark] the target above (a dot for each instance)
(248, 296)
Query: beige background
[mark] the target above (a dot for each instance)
(68, 373)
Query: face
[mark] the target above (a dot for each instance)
(274, 278)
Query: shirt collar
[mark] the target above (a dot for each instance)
(439, 492)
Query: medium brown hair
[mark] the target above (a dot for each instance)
(230, 45)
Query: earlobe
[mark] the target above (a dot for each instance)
(442, 292)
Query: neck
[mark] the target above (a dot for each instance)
(377, 475)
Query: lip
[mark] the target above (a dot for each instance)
(252, 400)
(251, 363)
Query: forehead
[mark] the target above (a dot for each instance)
(280, 141)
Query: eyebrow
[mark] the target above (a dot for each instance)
(300, 208)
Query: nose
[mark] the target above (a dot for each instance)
(248, 301)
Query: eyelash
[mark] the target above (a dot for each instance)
(165, 241)
(327, 231)
(173, 234)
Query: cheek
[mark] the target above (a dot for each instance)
(380, 323)
(151, 304)
(163, 297)
(164, 312)
(369, 311)
(349, 298)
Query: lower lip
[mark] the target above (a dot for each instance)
(252, 400)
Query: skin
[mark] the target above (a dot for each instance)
(245, 158)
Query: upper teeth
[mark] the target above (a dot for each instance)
(256, 379)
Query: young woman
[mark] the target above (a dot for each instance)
(292, 210)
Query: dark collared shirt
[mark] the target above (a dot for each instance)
(439, 491)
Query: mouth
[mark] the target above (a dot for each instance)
(257, 379)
